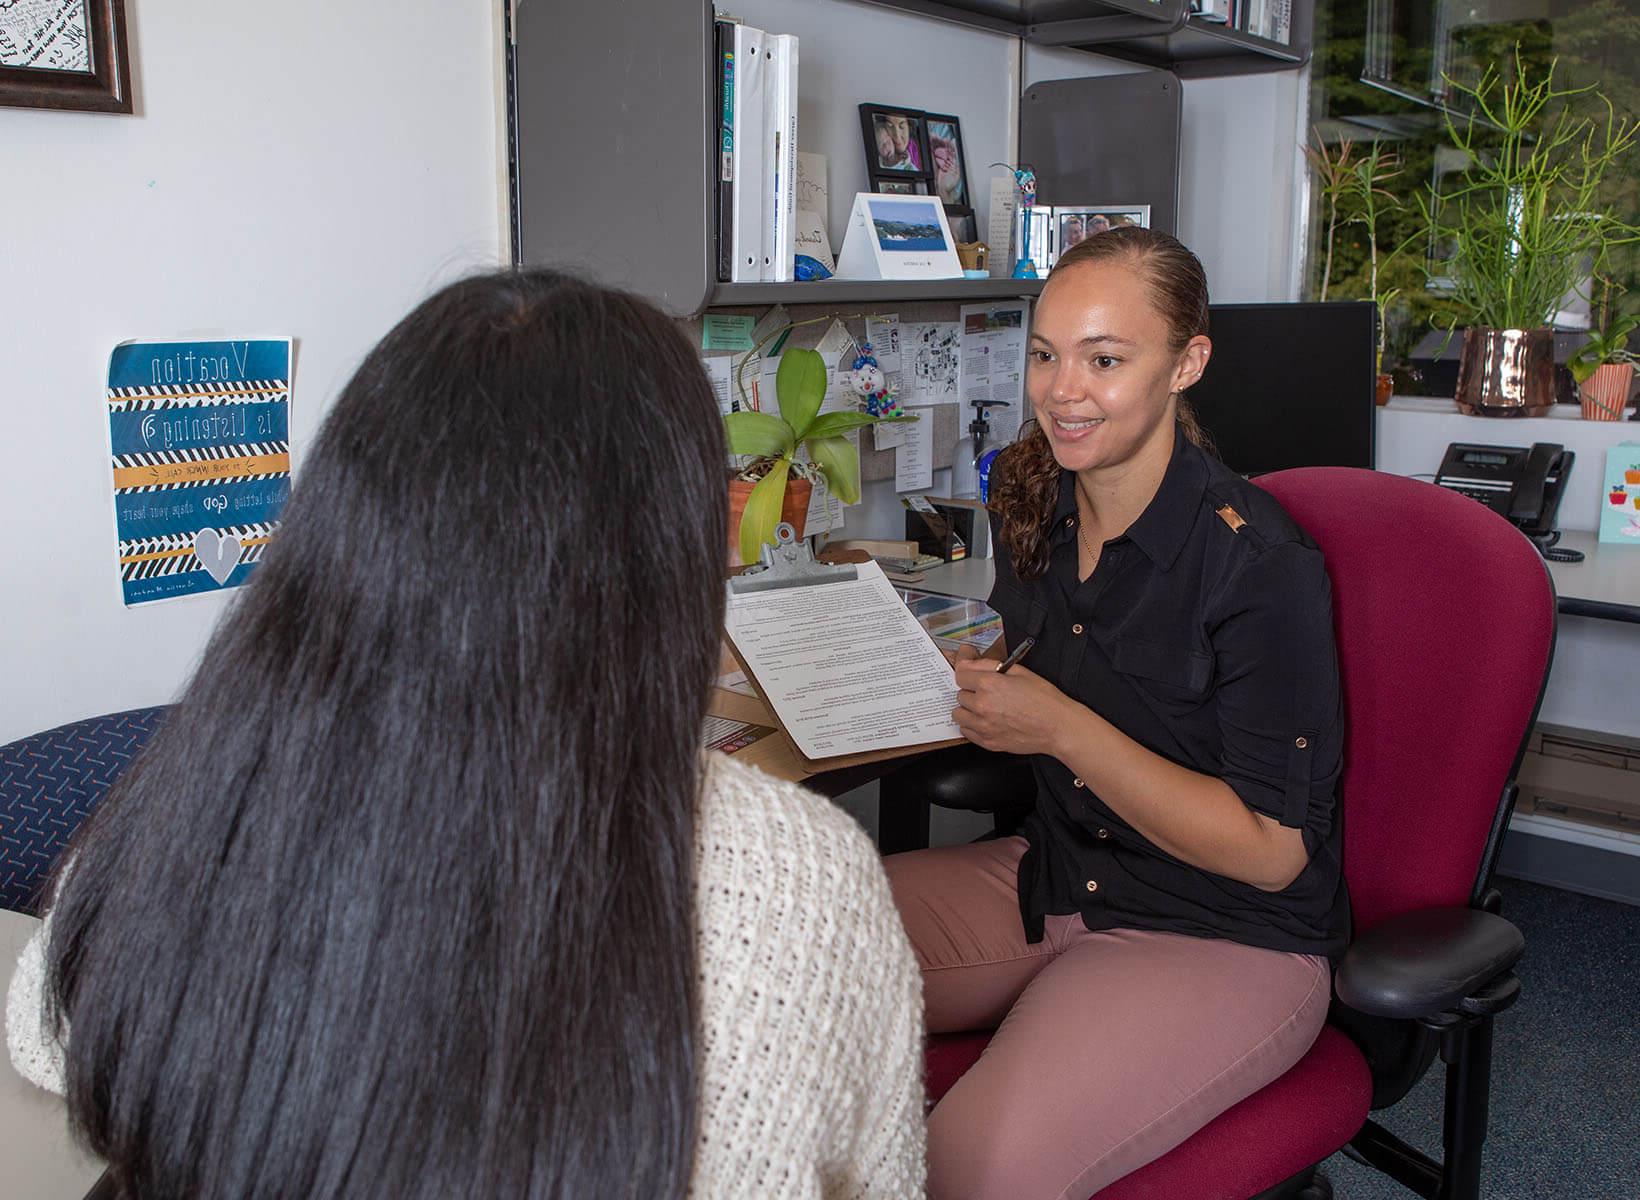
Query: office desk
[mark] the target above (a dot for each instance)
(1606, 584)
(40, 1161)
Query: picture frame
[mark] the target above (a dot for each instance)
(75, 57)
(1071, 223)
(947, 161)
(964, 225)
(895, 187)
(896, 144)
(898, 237)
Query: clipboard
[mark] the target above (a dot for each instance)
(788, 564)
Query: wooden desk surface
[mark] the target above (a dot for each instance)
(41, 1162)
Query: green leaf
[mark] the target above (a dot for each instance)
(800, 387)
(762, 513)
(759, 433)
(833, 423)
(840, 461)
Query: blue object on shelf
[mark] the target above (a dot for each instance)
(807, 268)
(976, 274)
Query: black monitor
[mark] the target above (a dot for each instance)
(1290, 385)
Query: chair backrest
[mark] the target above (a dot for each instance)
(1445, 616)
(48, 783)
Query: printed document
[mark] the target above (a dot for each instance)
(845, 666)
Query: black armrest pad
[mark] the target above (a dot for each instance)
(1423, 963)
(964, 776)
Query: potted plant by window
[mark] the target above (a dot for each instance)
(777, 485)
(1523, 225)
(1604, 366)
(1353, 192)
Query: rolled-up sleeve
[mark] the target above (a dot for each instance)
(1278, 698)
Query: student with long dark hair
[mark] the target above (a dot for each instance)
(1158, 939)
(425, 887)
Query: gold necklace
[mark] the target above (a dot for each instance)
(1082, 528)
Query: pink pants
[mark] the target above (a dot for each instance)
(1111, 1047)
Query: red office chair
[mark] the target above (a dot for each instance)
(1445, 617)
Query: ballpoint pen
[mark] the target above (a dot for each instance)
(1019, 652)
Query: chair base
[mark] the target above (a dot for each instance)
(1308, 1184)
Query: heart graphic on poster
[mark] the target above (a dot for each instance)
(217, 554)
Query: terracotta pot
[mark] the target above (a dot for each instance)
(1605, 394)
(1507, 372)
(794, 508)
(1386, 389)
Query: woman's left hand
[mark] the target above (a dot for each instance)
(1016, 713)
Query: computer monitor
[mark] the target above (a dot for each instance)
(1290, 385)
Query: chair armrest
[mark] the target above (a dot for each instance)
(1432, 961)
(965, 776)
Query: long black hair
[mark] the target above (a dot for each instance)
(398, 901)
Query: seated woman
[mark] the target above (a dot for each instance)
(425, 888)
(1158, 940)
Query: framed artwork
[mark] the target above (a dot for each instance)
(947, 159)
(895, 187)
(896, 145)
(65, 54)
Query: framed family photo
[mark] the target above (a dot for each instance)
(65, 54)
(1068, 224)
(896, 144)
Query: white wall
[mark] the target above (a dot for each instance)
(309, 168)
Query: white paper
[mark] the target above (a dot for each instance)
(845, 665)
(811, 184)
(914, 461)
(999, 229)
(837, 339)
(883, 332)
(717, 370)
(993, 362)
(929, 362)
(889, 437)
(810, 238)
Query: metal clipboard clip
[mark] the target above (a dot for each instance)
(789, 564)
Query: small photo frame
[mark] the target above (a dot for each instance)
(964, 226)
(895, 187)
(1073, 223)
(896, 143)
(946, 160)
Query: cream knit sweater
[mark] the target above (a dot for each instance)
(810, 1003)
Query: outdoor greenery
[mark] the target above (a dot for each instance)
(1595, 42)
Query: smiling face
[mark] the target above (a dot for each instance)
(1102, 371)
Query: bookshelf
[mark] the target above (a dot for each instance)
(611, 152)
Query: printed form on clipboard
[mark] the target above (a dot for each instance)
(844, 664)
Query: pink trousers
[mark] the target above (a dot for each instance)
(1111, 1047)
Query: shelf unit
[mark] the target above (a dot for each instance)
(872, 291)
(1155, 34)
(609, 183)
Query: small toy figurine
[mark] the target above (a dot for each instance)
(867, 379)
(1025, 180)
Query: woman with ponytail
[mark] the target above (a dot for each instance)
(425, 888)
(1156, 944)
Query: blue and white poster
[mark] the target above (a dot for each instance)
(199, 437)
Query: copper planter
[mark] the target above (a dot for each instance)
(1507, 372)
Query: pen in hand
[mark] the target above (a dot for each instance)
(1018, 652)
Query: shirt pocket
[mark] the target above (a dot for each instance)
(1179, 677)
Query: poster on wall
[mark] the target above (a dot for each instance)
(199, 440)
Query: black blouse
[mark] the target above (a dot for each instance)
(1205, 634)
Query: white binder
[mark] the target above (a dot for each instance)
(749, 153)
(781, 251)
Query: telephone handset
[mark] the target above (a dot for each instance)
(1521, 484)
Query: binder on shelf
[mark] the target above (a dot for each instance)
(748, 124)
(724, 104)
(780, 222)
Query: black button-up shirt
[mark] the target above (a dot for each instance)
(1205, 634)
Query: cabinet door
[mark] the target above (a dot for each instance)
(612, 106)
